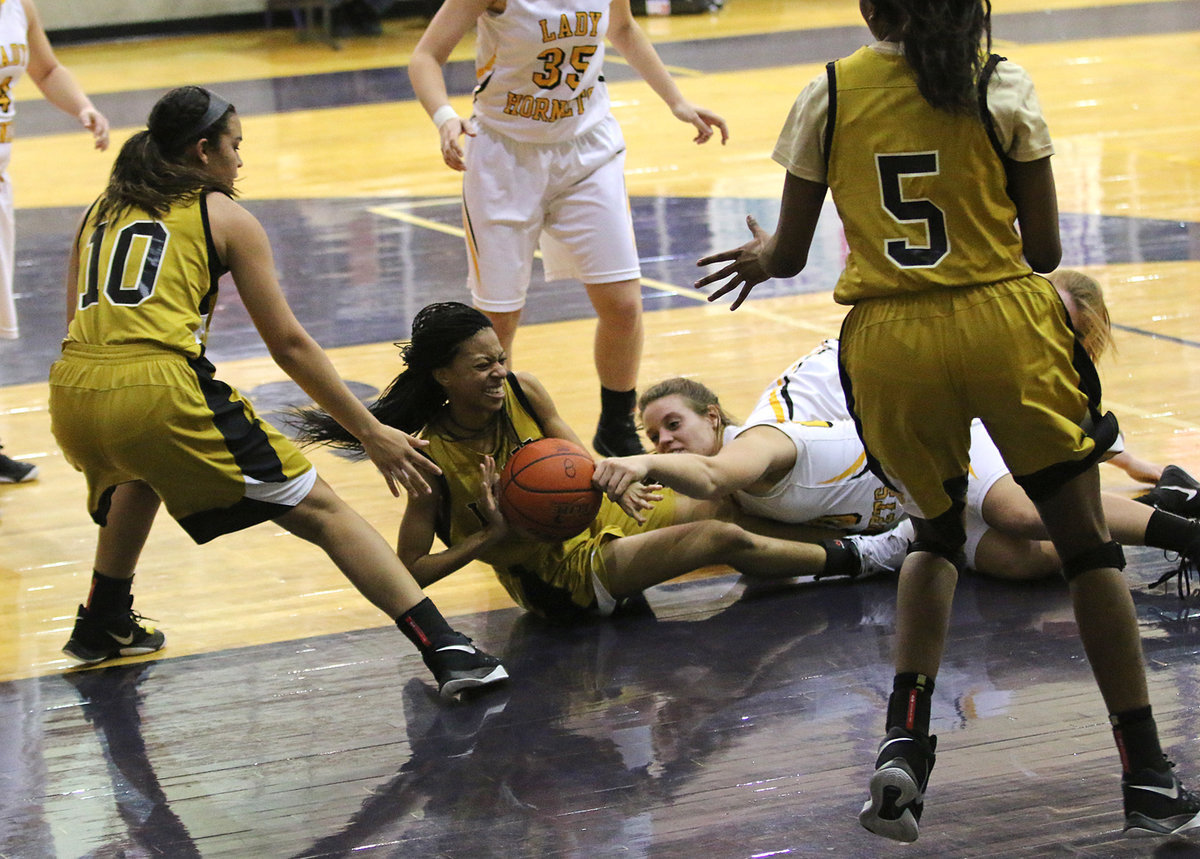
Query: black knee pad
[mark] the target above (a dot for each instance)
(956, 555)
(943, 536)
(1105, 556)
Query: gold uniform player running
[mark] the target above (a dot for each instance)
(136, 406)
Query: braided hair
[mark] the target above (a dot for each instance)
(414, 397)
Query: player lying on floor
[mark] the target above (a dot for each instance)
(798, 458)
(474, 413)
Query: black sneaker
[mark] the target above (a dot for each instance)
(460, 665)
(12, 471)
(1157, 804)
(898, 785)
(1176, 492)
(617, 438)
(99, 637)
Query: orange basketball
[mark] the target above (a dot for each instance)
(546, 489)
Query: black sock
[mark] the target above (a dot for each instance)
(616, 406)
(910, 702)
(1174, 533)
(1136, 736)
(425, 626)
(840, 559)
(108, 595)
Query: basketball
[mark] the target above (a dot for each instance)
(546, 490)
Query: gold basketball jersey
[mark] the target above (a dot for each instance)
(146, 280)
(460, 464)
(920, 191)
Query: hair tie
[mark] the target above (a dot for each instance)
(217, 107)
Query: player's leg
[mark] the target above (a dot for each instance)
(617, 351)
(638, 561)
(895, 377)
(505, 325)
(503, 193)
(106, 625)
(589, 236)
(365, 558)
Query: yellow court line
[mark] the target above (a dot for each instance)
(398, 214)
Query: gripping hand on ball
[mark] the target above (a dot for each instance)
(622, 479)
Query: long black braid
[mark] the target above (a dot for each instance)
(414, 397)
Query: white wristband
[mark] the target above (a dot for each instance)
(444, 113)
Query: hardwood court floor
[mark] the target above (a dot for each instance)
(286, 718)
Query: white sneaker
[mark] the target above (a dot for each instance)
(884, 553)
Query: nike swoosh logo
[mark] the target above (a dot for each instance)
(896, 740)
(465, 648)
(1171, 792)
(1190, 493)
(123, 640)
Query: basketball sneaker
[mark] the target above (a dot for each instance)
(458, 665)
(12, 471)
(898, 786)
(1176, 492)
(883, 553)
(98, 637)
(617, 438)
(1156, 803)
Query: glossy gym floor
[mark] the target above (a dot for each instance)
(287, 718)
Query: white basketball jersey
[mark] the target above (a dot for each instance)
(538, 66)
(14, 53)
(810, 389)
(829, 486)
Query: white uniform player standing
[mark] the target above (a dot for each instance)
(24, 48)
(545, 168)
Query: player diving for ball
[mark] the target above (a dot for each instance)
(457, 393)
(798, 458)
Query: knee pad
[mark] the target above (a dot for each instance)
(944, 536)
(956, 555)
(1105, 556)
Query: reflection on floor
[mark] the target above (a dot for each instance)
(631, 737)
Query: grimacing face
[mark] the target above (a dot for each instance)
(474, 380)
(673, 426)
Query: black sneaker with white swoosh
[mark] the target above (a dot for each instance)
(898, 785)
(458, 665)
(98, 637)
(1157, 804)
(1176, 492)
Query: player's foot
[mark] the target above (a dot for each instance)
(12, 471)
(883, 553)
(98, 637)
(898, 786)
(617, 438)
(1156, 804)
(459, 665)
(1176, 492)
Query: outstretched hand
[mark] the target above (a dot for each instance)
(396, 455)
(745, 269)
(621, 479)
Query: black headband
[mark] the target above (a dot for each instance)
(217, 107)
